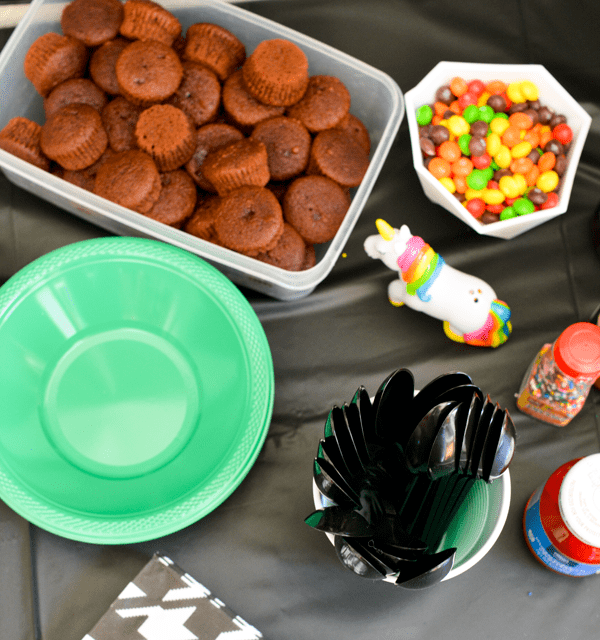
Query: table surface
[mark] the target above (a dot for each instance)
(255, 551)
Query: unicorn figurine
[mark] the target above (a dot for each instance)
(467, 305)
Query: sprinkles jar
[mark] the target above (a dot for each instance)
(561, 522)
(559, 379)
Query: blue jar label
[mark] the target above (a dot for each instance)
(542, 547)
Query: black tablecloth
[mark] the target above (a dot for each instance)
(254, 550)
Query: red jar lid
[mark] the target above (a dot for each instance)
(577, 350)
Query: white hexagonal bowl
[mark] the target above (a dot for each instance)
(552, 94)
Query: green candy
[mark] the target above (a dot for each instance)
(507, 213)
(523, 206)
(471, 113)
(478, 179)
(463, 143)
(486, 113)
(494, 165)
(488, 172)
(501, 114)
(424, 115)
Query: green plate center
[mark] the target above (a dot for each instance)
(121, 402)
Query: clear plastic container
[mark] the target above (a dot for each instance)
(376, 99)
(558, 382)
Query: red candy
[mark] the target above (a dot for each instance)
(481, 162)
(476, 207)
(563, 133)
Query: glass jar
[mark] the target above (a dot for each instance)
(557, 383)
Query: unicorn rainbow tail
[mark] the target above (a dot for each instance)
(493, 333)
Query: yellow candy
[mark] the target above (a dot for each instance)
(503, 158)
(493, 196)
(457, 125)
(483, 98)
(521, 150)
(529, 90)
(508, 186)
(474, 193)
(493, 144)
(520, 182)
(547, 181)
(499, 125)
(448, 183)
(514, 93)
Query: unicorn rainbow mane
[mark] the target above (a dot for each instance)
(420, 265)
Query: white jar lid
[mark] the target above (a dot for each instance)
(579, 500)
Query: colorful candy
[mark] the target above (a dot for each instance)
(494, 147)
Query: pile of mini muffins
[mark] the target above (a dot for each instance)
(246, 151)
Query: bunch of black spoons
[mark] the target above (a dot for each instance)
(394, 471)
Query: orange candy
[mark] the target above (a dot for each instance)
(545, 137)
(495, 87)
(460, 182)
(440, 108)
(458, 86)
(532, 175)
(546, 162)
(449, 150)
(521, 165)
(511, 136)
(440, 168)
(520, 120)
(436, 119)
(455, 107)
(533, 137)
(462, 167)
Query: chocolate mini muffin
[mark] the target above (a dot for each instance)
(199, 94)
(315, 206)
(119, 118)
(338, 156)
(177, 199)
(288, 146)
(148, 72)
(209, 138)
(202, 222)
(241, 108)
(147, 20)
(236, 165)
(276, 72)
(21, 137)
(86, 178)
(130, 179)
(215, 47)
(80, 90)
(289, 253)
(92, 21)
(167, 134)
(74, 136)
(103, 62)
(249, 220)
(323, 105)
(52, 59)
(355, 128)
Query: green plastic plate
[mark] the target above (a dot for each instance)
(136, 390)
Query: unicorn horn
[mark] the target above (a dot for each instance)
(385, 230)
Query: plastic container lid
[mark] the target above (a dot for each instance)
(577, 350)
(579, 500)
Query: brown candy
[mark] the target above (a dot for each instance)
(477, 146)
(479, 129)
(537, 196)
(444, 94)
(439, 134)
